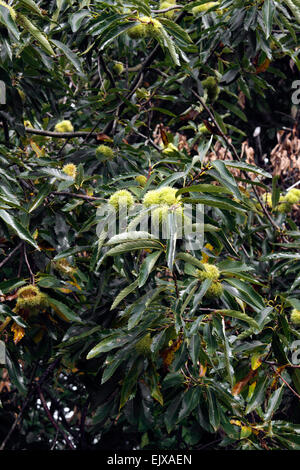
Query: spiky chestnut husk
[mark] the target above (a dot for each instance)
(151, 198)
(141, 180)
(215, 290)
(291, 197)
(211, 85)
(295, 316)
(143, 347)
(284, 207)
(167, 196)
(149, 27)
(64, 126)
(30, 297)
(64, 267)
(137, 32)
(120, 198)
(160, 215)
(210, 272)
(104, 152)
(285, 202)
(295, 191)
(70, 169)
(11, 10)
(267, 198)
(204, 7)
(152, 25)
(118, 68)
(162, 196)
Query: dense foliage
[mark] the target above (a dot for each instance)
(132, 340)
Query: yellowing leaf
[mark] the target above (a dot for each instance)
(239, 386)
(236, 422)
(251, 390)
(168, 354)
(263, 66)
(75, 283)
(18, 332)
(245, 432)
(256, 361)
(202, 370)
(38, 151)
(206, 257)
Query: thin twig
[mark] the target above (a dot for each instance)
(20, 415)
(15, 423)
(10, 254)
(107, 71)
(80, 196)
(28, 264)
(82, 425)
(45, 406)
(135, 84)
(291, 366)
(164, 10)
(60, 411)
(209, 444)
(62, 147)
(59, 135)
(31, 388)
(286, 383)
(55, 440)
(99, 73)
(49, 370)
(231, 146)
(176, 284)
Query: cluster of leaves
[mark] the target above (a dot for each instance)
(127, 339)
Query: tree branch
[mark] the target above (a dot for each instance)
(287, 384)
(107, 71)
(45, 406)
(28, 264)
(25, 404)
(231, 146)
(80, 196)
(10, 254)
(60, 135)
(164, 10)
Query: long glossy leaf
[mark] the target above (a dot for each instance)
(107, 344)
(42, 194)
(132, 246)
(124, 293)
(18, 228)
(69, 54)
(130, 236)
(64, 311)
(240, 315)
(147, 266)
